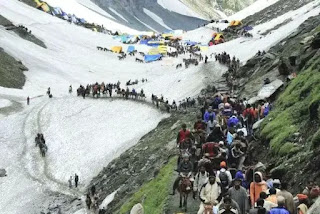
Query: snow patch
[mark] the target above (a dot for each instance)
(118, 14)
(178, 7)
(156, 18)
(108, 200)
(5, 103)
(252, 9)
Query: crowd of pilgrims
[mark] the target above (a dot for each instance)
(213, 156)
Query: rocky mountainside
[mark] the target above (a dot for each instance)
(209, 8)
(164, 15)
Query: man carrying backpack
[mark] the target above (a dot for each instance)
(225, 177)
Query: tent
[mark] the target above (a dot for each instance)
(151, 58)
(130, 49)
(155, 43)
(116, 49)
(162, 49)
(235, 23)
(218, 36)
(44, 6)
(57, 11)
(191, 43)
(94, 29)
(167, 35)
(153, 51)
(83, 21)
(247, 28)
(144, 42)
(204, 48)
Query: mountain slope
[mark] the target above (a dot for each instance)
(133, 14)
(210, 8)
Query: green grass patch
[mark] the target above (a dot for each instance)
(155, 192)
(292, 110)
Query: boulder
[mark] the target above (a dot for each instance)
(315, 44)
(283, 68)
(3, 173)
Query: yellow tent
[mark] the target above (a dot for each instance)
(219, 36)
(235, 23)
(162, 49)
(153, 51)
(204, 48)
(116, 49)
(169, 35)
(94, 29)
(44, 6)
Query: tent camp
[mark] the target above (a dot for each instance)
(162, 49)
(151, 58)
(130, 49)
(116, 49)
(235, 23)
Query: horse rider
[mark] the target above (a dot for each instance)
(210, 193)
(185, 169)
(183, 135)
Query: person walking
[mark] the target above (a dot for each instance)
(239, 195)
(70, 182)
(76, 180)
(28, 100)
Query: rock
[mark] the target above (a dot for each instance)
(306, 40)
(3, 173)
(269, 56)
(283, 68)
(293, 58)
(315, 44)
(257, 124)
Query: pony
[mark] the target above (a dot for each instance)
(185, 187)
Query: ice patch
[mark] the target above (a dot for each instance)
(5, 103)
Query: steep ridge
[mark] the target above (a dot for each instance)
(133, 14)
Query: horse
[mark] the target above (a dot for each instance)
(43, 149)
(185, 187)
(139, 60)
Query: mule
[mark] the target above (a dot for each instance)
(185, 187)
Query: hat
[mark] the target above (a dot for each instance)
(212, 175)
(302, 197)
(221, 143)
(223, 164)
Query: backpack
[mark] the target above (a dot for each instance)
(266, 110)
(224, 179)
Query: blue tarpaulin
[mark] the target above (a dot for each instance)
(144, 42)
(151, 58)
(130, 49)
(191, 43)
(247, 28)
